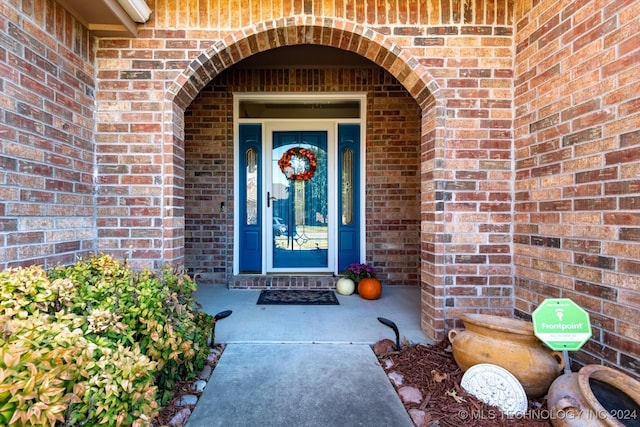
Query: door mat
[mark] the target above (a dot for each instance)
(287, 297)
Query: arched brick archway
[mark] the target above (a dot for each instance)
(336, 33)
(347, 36)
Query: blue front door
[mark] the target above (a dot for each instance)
(302, 212)
(299, 200)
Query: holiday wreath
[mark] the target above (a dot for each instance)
(302, 154)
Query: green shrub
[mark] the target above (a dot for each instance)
(95, 343)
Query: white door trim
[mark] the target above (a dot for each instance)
(268, 126)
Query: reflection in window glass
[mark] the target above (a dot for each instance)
(252, 186)
(347, 186)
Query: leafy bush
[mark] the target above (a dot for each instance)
(95, 343)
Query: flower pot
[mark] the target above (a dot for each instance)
(345, 286)
(370, 288)
(510, 344)
(595, 396)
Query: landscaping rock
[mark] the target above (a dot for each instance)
(419, 417)
(205, 373)
(212, 358)
(384, 347)
(187, 400)
(198, 386)
(180, 419)
(410, 395)
(396, 378)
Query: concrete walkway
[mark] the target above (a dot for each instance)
(304, 365)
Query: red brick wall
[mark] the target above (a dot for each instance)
(393, 170)
(577, 189)
(46, 135)
(393, 181)
(209, 183)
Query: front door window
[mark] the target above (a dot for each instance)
(299, 200)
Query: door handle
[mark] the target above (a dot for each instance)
(269, 199)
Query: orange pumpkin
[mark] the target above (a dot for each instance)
(370, 288)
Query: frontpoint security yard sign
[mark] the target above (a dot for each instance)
(561, 324)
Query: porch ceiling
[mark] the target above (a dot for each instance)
(104, 18)
(306, 55)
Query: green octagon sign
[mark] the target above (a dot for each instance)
(561, 324)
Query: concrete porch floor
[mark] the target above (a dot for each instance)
(307, 366)
(354, 321)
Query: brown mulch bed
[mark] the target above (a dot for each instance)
(433, 371)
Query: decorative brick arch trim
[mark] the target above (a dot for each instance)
(291, 31)
(347, 36)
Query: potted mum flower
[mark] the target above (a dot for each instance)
(364, 277)
(357, 272)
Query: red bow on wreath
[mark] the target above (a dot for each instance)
(302, 153)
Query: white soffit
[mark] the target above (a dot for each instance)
(108, 18)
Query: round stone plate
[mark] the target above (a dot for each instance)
(496, 386)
